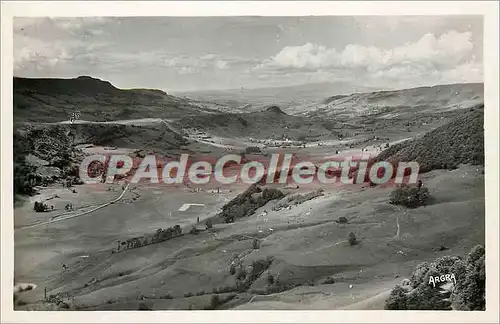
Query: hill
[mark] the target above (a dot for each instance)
(287, 97)
(399, 103)
(271, 122)
(461, 141)
(53, 100)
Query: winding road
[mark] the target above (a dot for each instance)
(80, 214)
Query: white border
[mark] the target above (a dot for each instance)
(257, 8)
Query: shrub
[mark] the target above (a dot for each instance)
(397, 299)
(241, 286)
(252, 149)
(302, 138)
(418, 275)
(270, 279)
(427, 297)
(410, 197)
(352, 239)
(232, 269)
(271, 194)
(193, 230)
(329, 281)
(243, 205)
(209, 224)
(255, 243)
(143, 306)
(241, 274)
(214, 301)
(258, 267)
(40, 207)
(468, 292)
(21, 302)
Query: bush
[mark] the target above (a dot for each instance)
(258, 267)
(241, 274)
(21, 302)
(410, 197)
(214, 301)
(232, 269)
(468, 292)
(193, 230)
(40, 207)
(329, 281)
(209, 224)
(271, 194)
(252, 149)
(143, 306)
(418, 276)
(397, 299)
(427, 297)
(244, 205)
(255, 243)
(270, 279)
(352, 239)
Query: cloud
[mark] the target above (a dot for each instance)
(33, 53)
(192, 65)
(450, 53)
(70, 24)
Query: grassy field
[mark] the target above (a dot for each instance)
(307, 244)
(303, 260)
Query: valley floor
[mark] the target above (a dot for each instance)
(307, 246)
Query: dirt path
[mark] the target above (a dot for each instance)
(81, 214)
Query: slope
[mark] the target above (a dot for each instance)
(400, 103)
(53, 100)
(461, 141)
(269, 123)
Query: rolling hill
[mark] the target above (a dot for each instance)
(399, 103)
(287, 97)
(53, 100)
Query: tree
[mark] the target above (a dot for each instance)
(270, 279)
(469, 293)
(214, 301)
(397, 299)
(352, 239)
(255, 243)
(409, 197)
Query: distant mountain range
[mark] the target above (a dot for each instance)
(255, 99)
(53, 100)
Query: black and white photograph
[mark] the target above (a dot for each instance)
(260, 162)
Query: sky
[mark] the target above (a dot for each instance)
(204, 53)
